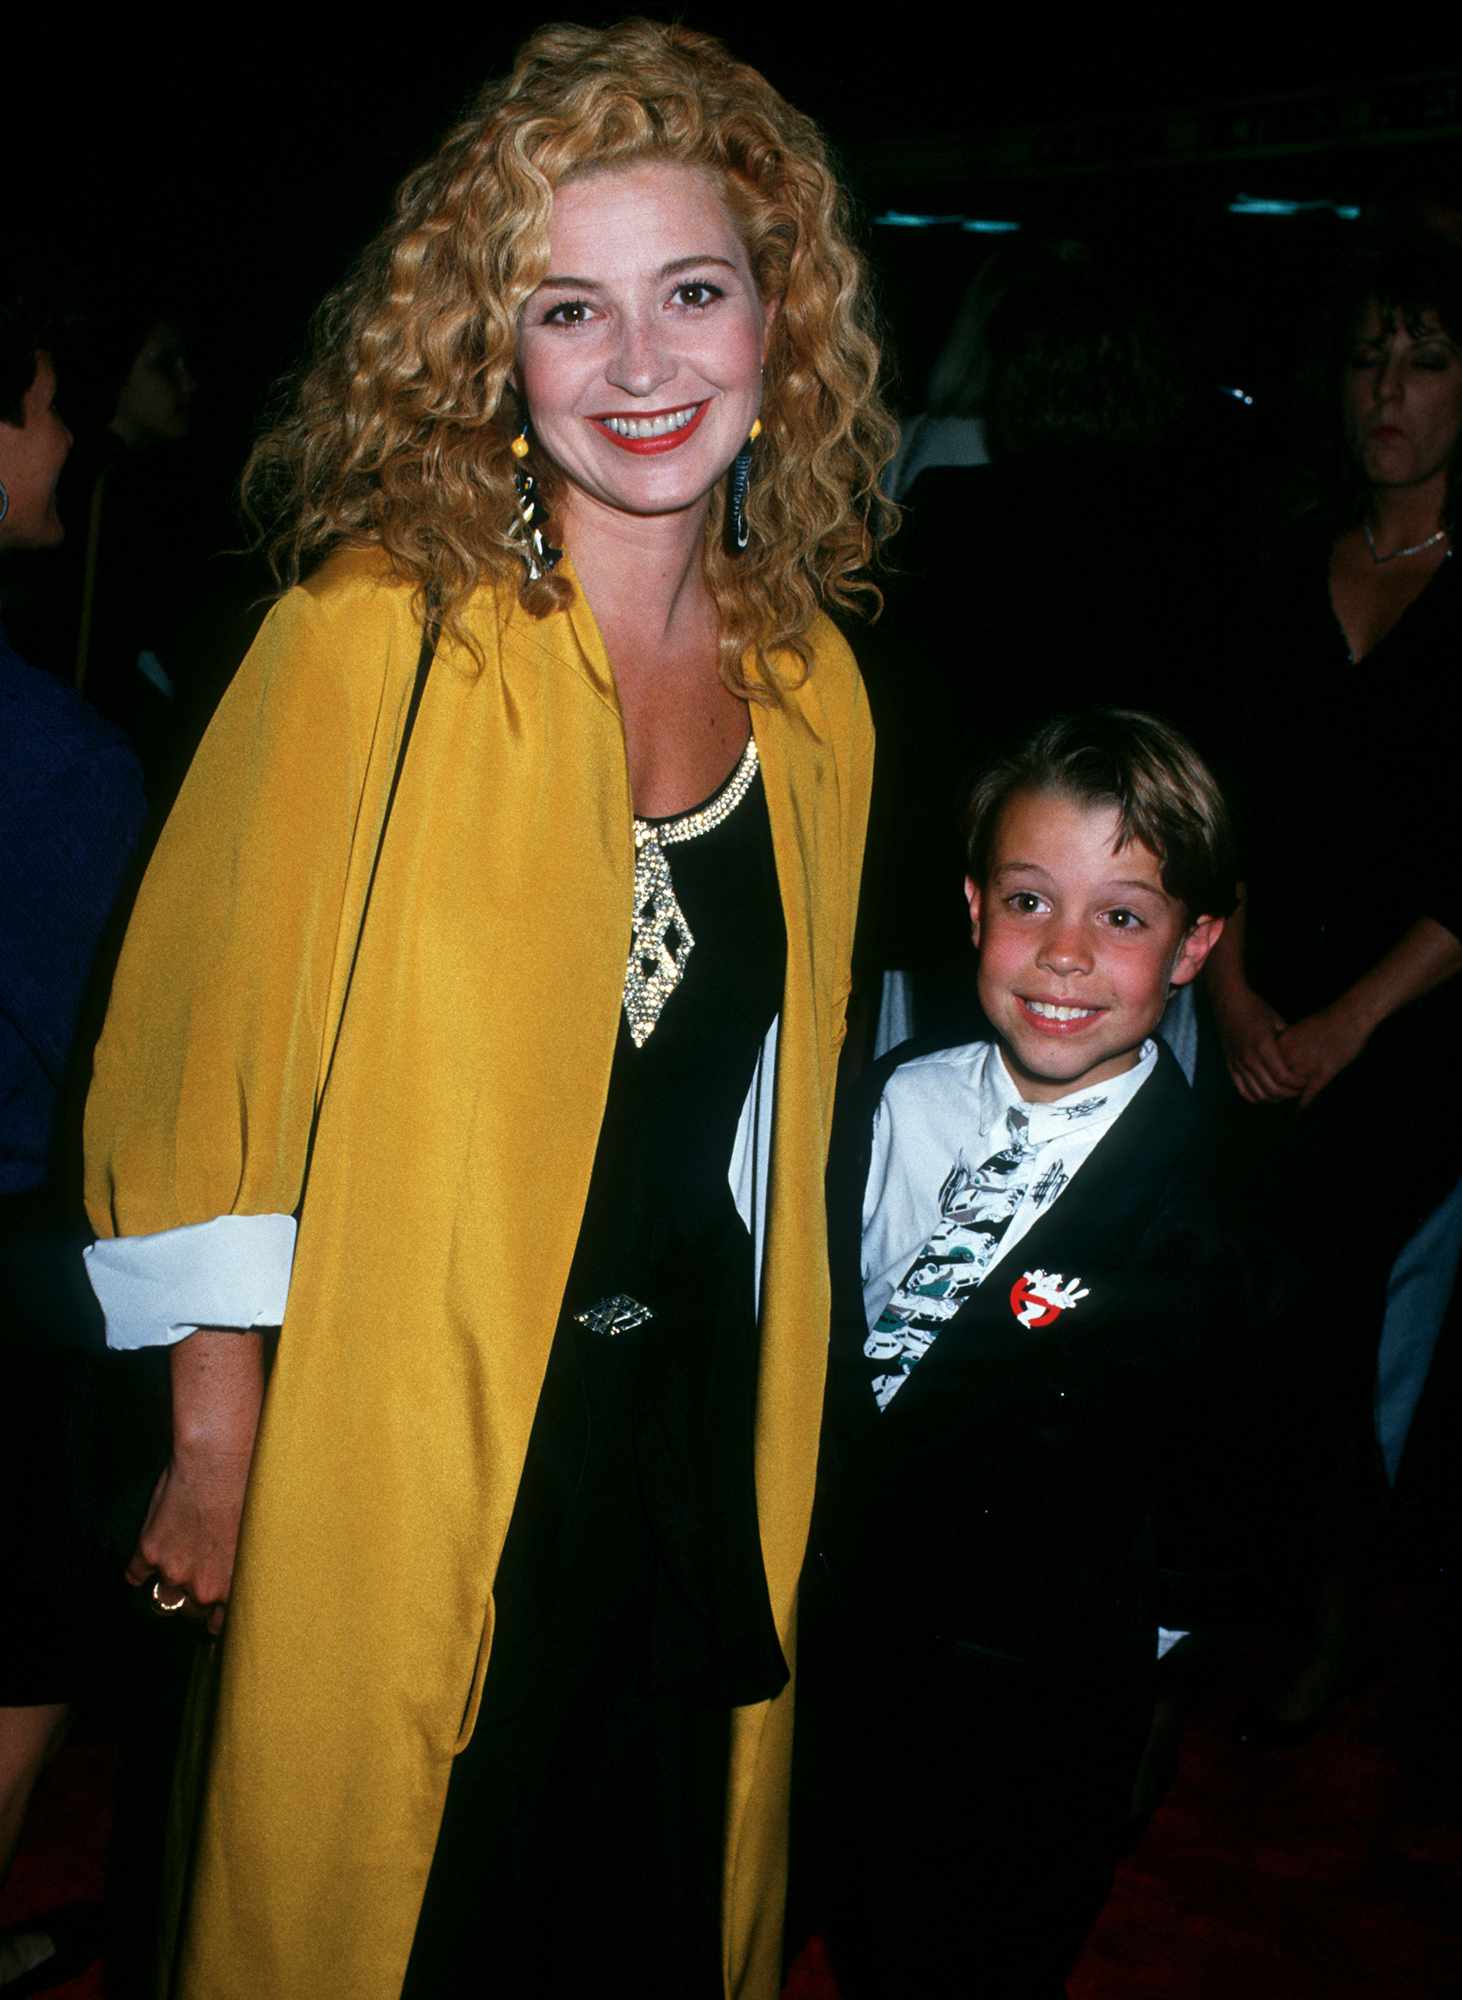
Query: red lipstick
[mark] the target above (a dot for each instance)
(650, 447)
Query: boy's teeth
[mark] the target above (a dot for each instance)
(650, 427)
(1049, 1013)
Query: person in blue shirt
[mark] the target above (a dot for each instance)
(71, 810)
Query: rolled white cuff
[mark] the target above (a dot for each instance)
(232, 1272)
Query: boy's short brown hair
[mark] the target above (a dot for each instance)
(1164, 793)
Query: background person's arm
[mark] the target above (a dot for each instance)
(1317, 1048)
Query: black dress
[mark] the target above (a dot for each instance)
(582, 1832)
(1349, 808)
(1345, 775)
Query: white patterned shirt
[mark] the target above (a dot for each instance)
(961, 1168)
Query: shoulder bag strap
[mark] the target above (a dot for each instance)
(431, 632)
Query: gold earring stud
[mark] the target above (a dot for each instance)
(755, 429)
(519, 446)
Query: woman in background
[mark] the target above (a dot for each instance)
(1334, 987)
(495, 1001)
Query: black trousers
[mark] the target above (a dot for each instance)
(1324, 1200)
(56, 1584)
(967, 1810)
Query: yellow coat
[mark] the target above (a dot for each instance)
(466, 1083)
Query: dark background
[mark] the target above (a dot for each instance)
(240, 166)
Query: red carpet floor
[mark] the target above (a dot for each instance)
(1309, 1874)
(64, 1851)
(1313, 1874)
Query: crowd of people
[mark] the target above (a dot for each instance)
(582, 1159)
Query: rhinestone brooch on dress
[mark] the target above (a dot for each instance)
(661, 941)
(617, 1314)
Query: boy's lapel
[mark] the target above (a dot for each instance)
(1091, 1231)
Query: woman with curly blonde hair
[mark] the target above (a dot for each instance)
(478, 1027)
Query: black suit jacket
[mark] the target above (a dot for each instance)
(1005, 1496)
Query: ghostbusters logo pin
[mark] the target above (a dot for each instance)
(1039, 1297)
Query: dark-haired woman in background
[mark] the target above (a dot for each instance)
(1334, 987)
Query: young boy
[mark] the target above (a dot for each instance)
(1022, 1254)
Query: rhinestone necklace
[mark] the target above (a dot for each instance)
(1396, 554)
(661, 941)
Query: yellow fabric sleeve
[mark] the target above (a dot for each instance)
(227, 994)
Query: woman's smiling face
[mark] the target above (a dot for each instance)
(640, 353)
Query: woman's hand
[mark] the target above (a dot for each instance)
(1248, 1027)
(1320, 1046)
(188, 1539)
(186, 1548)
(1258, 1057)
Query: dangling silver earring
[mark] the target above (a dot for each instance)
(4, 501)
(539, 556)
(737, 531)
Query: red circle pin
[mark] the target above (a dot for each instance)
(1029, 1305)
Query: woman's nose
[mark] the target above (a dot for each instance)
(640, 363)
(1388, 379)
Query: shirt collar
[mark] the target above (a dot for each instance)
(1084, 1112)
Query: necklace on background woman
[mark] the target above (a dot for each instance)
(1413, 549)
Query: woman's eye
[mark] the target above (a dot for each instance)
(570, 312)
(698, 293)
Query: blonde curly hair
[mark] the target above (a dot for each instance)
(399, 429)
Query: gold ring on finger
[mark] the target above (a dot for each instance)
(167, 1610)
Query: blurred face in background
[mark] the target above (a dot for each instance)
(156, 402)
(1403, 397)
(31, 456)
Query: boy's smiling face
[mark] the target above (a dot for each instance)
(1079, 943)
